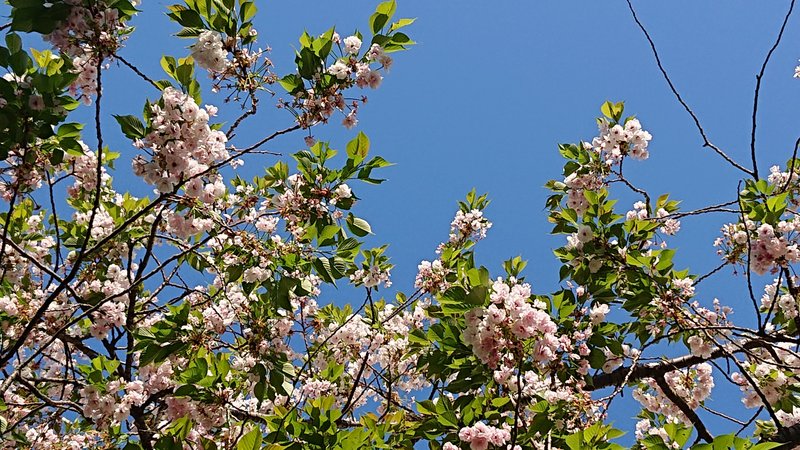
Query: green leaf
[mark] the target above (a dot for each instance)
(477, 296)
(13, 42)
(358, 148)
(766, 446)
(250, 441)
(402, 39)
(131, 126)
(448, 419)
(292, 83)
(387, 8)
(247, 11)
(70, 130)
(189, 32)
(57, 157)
(169, 64)
(185, 73)
(377, 21)
(575, 441)
(324, 269)
(358, 226)
(401, 23)
(186, 17)
(163, 84)
(20, 62)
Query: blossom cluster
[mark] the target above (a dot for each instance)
(372, 277)
(246, 71)
(645, 428)
(770, 247)
(220, 315)
(469, 225)
(616, 141)
(43, 436)
(613, 143)
(669, 226)
(364, 351)
(347, 66)
(693, 386)
(15, 266)
(771, 370)
(789, 418)
(319, 104)
(480, 436)
(106, 407)
(576, 185)
(300, 200)
(183, 147)
(84, 170)
(209, 52)
(511, 318)
(88, 36)
(431, 277)
(786, 303)
(614, 361)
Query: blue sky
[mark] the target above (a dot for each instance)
(491, 89)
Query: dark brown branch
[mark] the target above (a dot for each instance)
(55, 224)
(82, 253)
(253, 109)
(137, 71)
(713, 208)
(758, 89)
(6, 228)
(706, 142)
(129, 321)
(712, 272)
(269, 138)
(702, 431)
(349, 402)
(791, 167)
(639, 191)
(658, 369)
(749, 272)
(787, 435)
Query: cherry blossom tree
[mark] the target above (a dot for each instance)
(197, 318)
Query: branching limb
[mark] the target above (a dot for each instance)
(706, 141)
(137, 71)
(758, 89)
(702, 431)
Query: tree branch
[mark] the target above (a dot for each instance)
(658, 369)
(758, 89)
(702, 431)
(706, 142)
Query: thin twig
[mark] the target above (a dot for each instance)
(137, 71)
(706, 142)
(791, 167)
(758, 89)
(702, 431)
(253, 109)
(717, 269)
(748, 271)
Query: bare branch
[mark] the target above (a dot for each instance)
(702, 431)
(137, 71)
(706, 141)
(758, 89)
(657, 369)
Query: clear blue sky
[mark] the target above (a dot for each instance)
(493, 87)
